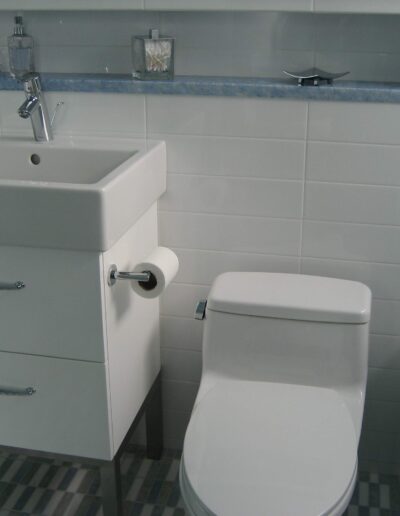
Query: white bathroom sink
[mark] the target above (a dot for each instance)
(76, 193)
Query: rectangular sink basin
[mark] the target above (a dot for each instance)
(76, 193)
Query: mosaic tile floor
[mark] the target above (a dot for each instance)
(151, 488)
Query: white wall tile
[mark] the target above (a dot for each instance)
(179, 300)
(396, 456)
(179, 396)
(196, 266)
(105, 113)
(385, 318)
(181, 332)
(175, 424)
(233, 196)
(383, 385)
(228, 233)
(384, 351)
(245, 157)
(181, 365)
(358, 33)
(377, 446)
(281, 5)
(77, 5)
(352, 203)
(382, 279)
(223, 116)
(367, 66)
(9, 119)
(91, 28)
(85, 59)
(357, 6)
(353, 163)
(351, 241)
(382, 416)
(354, 122)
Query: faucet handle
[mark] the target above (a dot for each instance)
(56, 110)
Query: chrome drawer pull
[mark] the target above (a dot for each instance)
(17, 285)
(12, 391)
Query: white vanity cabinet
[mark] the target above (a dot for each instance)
(90, 351)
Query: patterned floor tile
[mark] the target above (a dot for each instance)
(31, 486)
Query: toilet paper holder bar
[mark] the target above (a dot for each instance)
(114, 275)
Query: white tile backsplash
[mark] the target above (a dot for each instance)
(236, 157)
(352, 203)
(223, 116)
(202, 267)
(100, 113)
(363, 123)
(353, 163)
(383, 279)
(351, 241)
(230, 233)
(233, 196)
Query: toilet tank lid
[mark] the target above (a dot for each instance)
(291, 296)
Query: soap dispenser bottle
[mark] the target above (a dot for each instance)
(20, 50)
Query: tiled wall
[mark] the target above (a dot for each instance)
(216, 43)
(253, 184)
(266, 185)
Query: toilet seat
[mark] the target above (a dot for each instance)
(259, 448)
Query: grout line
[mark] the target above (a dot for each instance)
(184, 350)
(303, 199)
(216, 175)
(351, 143)
(217, 251)
(241, 216)
(158, 134)
(373, 334)
(145, 116)
(348, 183)
(344, 223)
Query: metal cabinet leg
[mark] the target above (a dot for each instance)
(111, 488)
(154, 423)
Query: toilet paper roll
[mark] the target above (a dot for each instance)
(163, 264)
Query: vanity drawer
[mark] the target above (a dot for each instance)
(68, 413)
(59, 311)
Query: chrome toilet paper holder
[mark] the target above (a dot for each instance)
(114, 275)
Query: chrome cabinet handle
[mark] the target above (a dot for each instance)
(13, 391)
(16, 285)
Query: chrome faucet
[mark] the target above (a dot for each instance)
(35, 108)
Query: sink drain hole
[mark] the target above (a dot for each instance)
(35, 159)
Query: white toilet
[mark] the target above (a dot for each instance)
(276, 423)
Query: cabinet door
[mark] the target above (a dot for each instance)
(59, 311)
(68, 412)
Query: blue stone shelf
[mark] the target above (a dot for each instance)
(216, 86)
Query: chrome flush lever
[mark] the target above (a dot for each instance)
(16, 285)
(200, 312)
(15, 391)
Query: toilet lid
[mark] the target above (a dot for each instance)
(271, 449)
